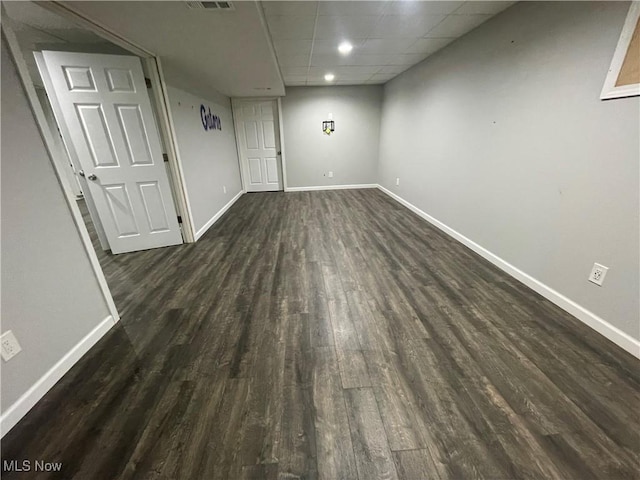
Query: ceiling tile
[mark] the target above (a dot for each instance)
(343, 72)
(293, 60)
(294, 70)
(351, 82)
(388, 36)
(292, 47)
(428, 45)
(324, 47)
(393, 69)
(360, 60)
(381, 78)
(457, 25)
(328, 59)
(352, 8)
(351, 78)
(295, 84)
(357, 70)
(483, 7)
(295, 27)
(373, 59)
(385, 45)
(289, 8)
(408, 59)
(405, 26)
(412, 7)
(319, 71)
(312, 80)
(338, 28)
(295, 78)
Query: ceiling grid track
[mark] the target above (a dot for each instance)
(313, 41)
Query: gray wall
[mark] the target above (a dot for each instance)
(209, 158)
(50, 296)
(502, 137)
(351, 152)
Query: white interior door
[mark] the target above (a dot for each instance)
(257, 131)
(103, 102)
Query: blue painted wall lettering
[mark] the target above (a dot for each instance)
(209, 120)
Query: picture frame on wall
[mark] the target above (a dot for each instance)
(623, 78)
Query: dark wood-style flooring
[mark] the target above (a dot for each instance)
(334, 335)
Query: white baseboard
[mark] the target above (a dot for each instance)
(215, 218)
(21, 407)
(617, 336)
(331, 187)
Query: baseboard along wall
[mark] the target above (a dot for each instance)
(21, 407)
(617, 336)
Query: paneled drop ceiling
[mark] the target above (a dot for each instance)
(388, 37)
(206, 50)
(200, 48)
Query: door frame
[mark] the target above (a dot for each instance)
(235, 102)
(160, 97)
(165, 123)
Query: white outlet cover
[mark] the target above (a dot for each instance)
(398, 181)
(598, 272)
(330, 174)
(10, 345)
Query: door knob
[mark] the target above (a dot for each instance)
(92, 177)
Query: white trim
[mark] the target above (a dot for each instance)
(234, 116)
(332, 187)
(45, 133)
(21, 407)
(283, 162)
(173, 152)
(617, 336)
(215, 218)
(609, 90)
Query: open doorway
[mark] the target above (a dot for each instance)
(117, 121)
(105, 118)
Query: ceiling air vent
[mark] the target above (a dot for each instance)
(220, 6)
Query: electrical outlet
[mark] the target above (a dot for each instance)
(330, 174)
(598, 272)
(397, 181)
(224, 188)
(10, 345)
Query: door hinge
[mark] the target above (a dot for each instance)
(179, 219)
(165, 157)
(147, 82)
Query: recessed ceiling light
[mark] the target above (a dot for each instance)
(329, 77)
(345, 48)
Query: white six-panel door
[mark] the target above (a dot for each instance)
(257, 131)
(104, 102)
